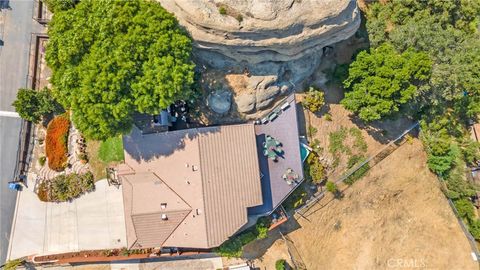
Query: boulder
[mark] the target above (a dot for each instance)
(245, 102)
(266, 96)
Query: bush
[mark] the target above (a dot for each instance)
(357, 174)
(314, 100)
(230, 248)
(331, 187)
(56, 142)
(42, 160)
(314, 169)
(336, 140)
(328, 117)
(233, 246)
(68, 187)
(360, 142)
(353, 160)
(43, 192)
(262, 227)
(222, 10)
(280, 264)
(13, 264)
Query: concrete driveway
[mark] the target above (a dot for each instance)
(93, 221)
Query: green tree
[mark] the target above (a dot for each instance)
(112, 58)
(314, 100)
(59, 5)
(382, 80)
(31, 105)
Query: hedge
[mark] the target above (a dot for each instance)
(56, 143)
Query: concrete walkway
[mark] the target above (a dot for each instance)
(93, 221)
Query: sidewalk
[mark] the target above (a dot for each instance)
(93, 221)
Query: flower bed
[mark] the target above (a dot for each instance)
(112, 255)
(67, 187)
(56, 142)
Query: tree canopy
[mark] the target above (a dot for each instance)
(382, 80)
(112, 58)
(31, 105)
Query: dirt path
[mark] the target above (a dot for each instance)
(395, 217)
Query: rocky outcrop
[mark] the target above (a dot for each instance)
(280, 40)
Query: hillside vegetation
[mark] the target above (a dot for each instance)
(424, 62)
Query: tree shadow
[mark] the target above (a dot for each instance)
(384, 131)
(146, 147)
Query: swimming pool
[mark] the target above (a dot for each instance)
(304, 151)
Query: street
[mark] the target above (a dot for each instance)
(16, 27)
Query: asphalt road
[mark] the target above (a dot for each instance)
(16, 27)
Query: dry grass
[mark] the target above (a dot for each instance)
(395, 214)
(97, 166)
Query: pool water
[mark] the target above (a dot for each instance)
(304, 152)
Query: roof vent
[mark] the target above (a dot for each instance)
(164, 217)
(194, 168)
(198, 211)
(187, 165)
(163, 205)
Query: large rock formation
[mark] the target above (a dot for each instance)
(280, 39)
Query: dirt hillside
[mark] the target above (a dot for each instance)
(395, 217)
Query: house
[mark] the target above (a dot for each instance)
(194, 188)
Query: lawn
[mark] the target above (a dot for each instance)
(104, 154)
(111, 150)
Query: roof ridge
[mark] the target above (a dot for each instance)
(174, 229)
(173, 190)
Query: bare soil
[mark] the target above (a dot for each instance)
(394, 217)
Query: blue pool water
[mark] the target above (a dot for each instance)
(304, 152)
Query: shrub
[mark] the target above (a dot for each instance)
(314, 100)
(336, 140)
(262, 227)
(233, 246)
(42, 160)
(56, 142)
(280, 264)
(357, 174)
(360, 142)
(43, 192)
(68, 187)
(353, 160)
(314, 169)
(13, 264)
(230, 248)
(239, 18)
(331, 187)
(328, 117)
(222, 10)
(312, 131)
